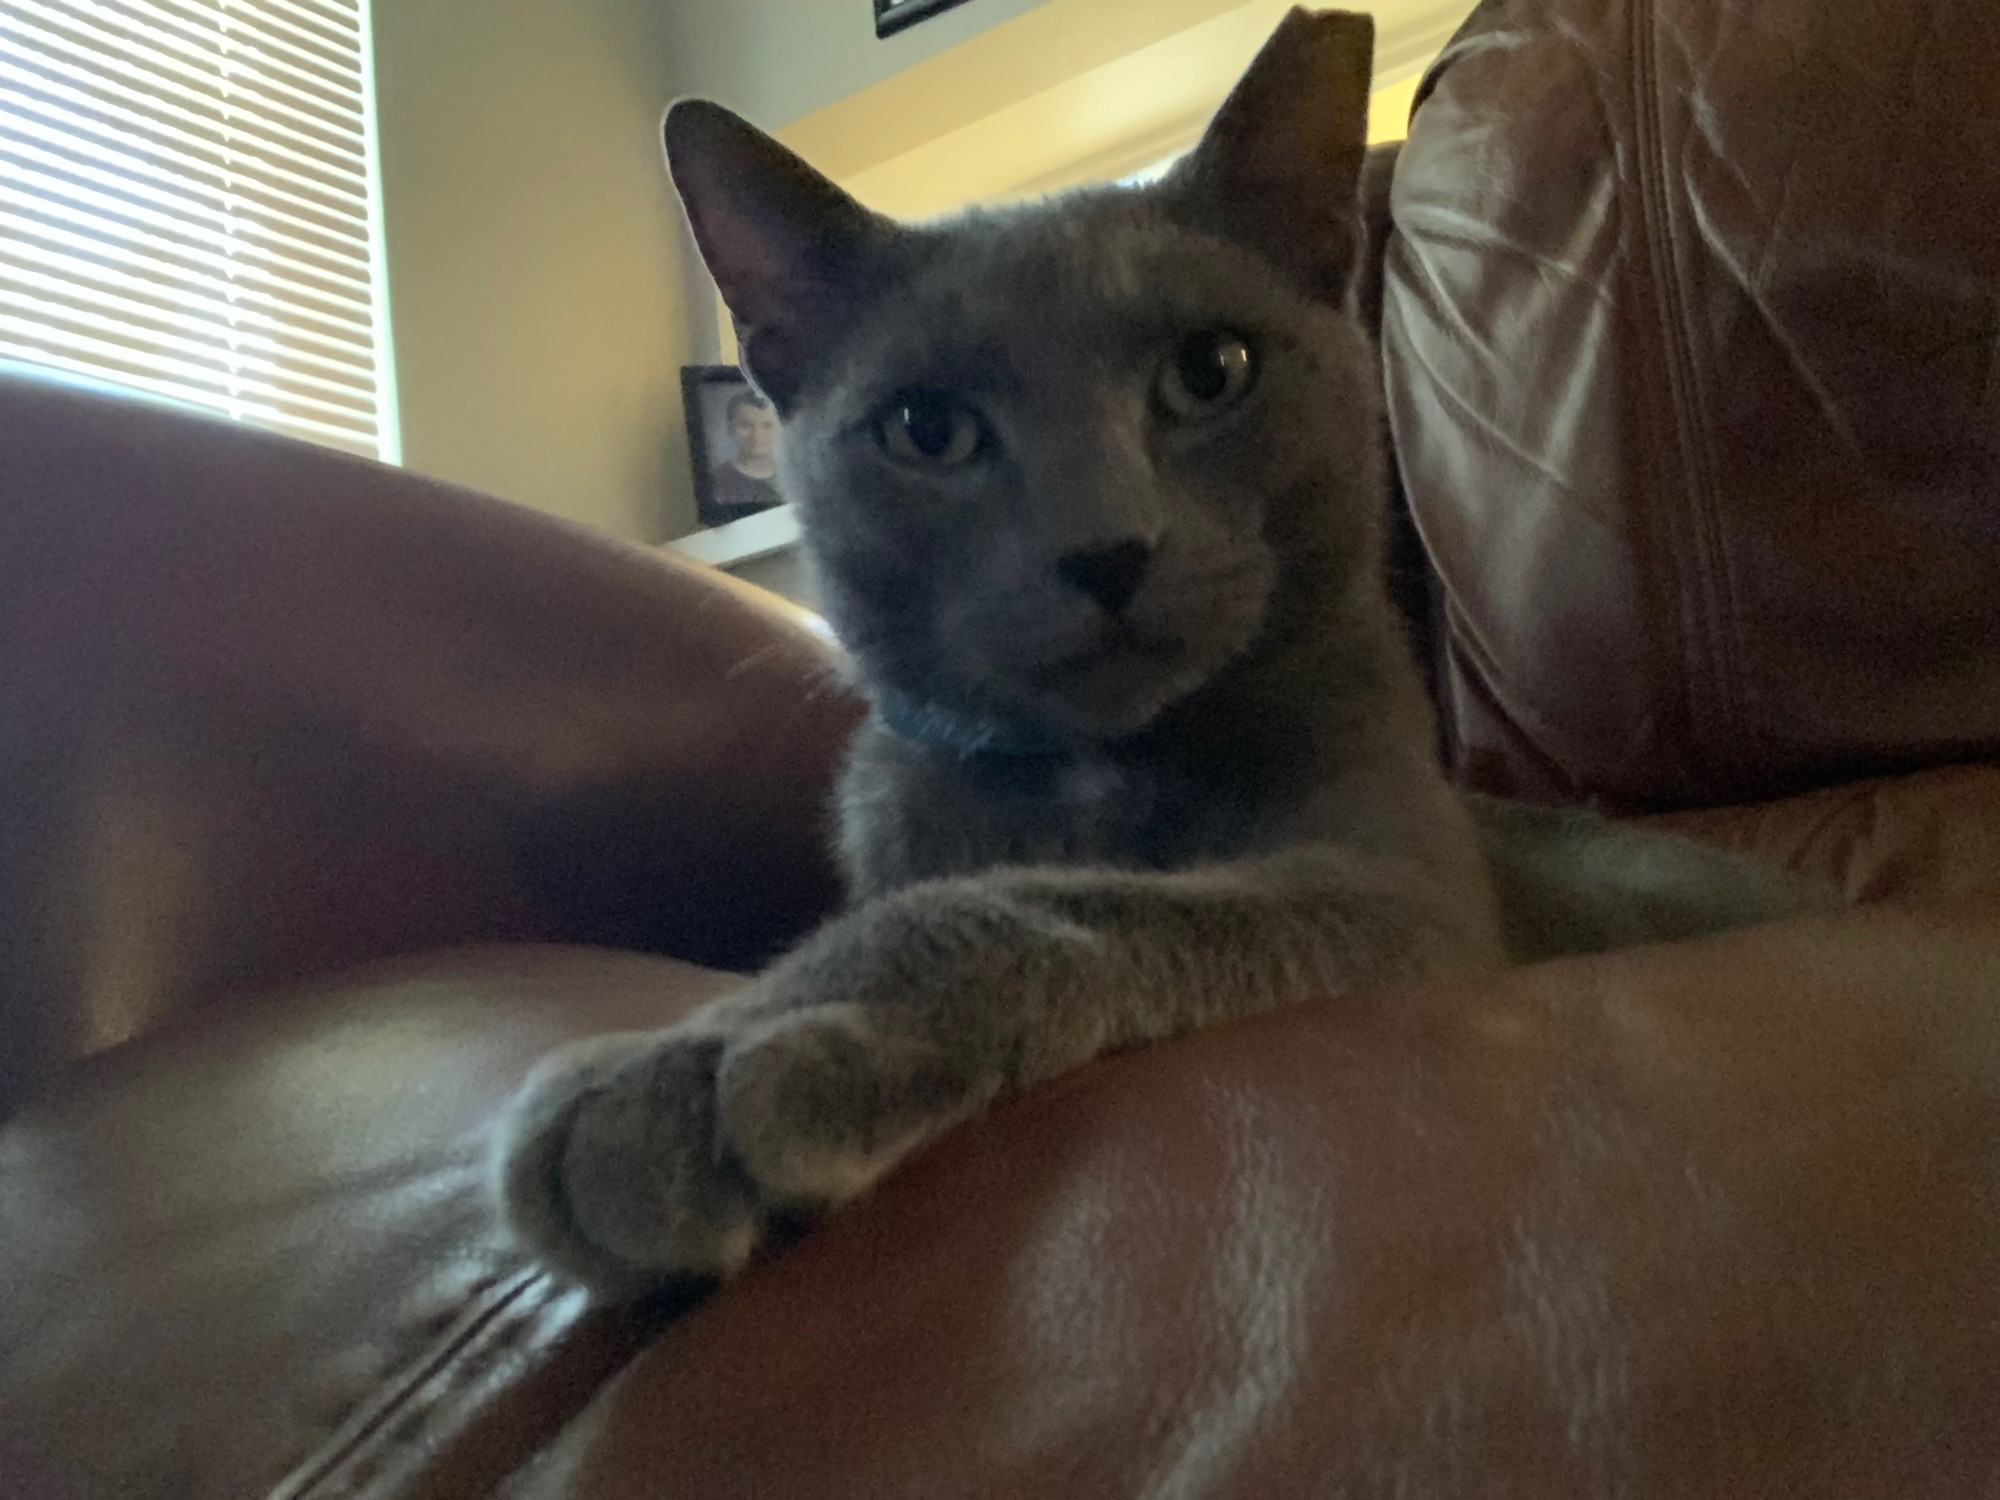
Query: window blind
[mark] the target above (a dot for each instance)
(186, 206)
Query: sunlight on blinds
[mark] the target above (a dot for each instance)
(186, 207)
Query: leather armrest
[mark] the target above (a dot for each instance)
(267, 711)
(1716, 1218)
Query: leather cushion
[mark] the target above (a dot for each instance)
(253, 1252)
(1932, 836)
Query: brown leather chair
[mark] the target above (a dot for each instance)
(330, 798)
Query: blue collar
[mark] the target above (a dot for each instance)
(941, 729)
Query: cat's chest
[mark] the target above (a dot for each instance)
(1097, 792)
(1094, 811)
(909, 813)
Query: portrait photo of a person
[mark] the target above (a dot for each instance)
(733, 434)
(747, 481)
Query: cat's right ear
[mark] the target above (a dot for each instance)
(1279, 167)
(789, 250)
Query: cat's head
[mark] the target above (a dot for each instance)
(1060, 465)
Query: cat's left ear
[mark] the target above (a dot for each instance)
(791, 253)
(1279, 167)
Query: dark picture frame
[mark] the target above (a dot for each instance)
(892, 16)
(709, 396)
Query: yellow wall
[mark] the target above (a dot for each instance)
(542, 292)
(774, 60)
(1076, 91)
(538, 295)
(1389, 110)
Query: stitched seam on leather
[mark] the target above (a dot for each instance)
(388, 1405)
(1705, 652)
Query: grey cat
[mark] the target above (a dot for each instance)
(1092, 488)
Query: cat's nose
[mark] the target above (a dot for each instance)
(1110, 575)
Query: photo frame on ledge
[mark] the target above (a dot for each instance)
(892, 16)
(733, 437)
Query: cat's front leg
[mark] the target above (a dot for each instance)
(672, 1155)
(638, 1159)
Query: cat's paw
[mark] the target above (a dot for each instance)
(634, 1161)
(608, 1166)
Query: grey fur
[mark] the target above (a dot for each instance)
(1245, 809)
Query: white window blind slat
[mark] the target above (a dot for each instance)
(149, 379)
(186, 206)
(336, 20)
(225, 378)
(271, 61)
(121, 220)
(47, 117)
(215, 89)
(88, 86)
(269, 30)
(179, 265)
(344, 341)
(126, 28)
(52, 125)
(99, 182)
(107, 305)
(227, 369)
(31, 246)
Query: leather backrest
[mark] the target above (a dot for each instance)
(1691, 336)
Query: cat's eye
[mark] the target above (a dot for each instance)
(1209, 372)
(930, 429)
